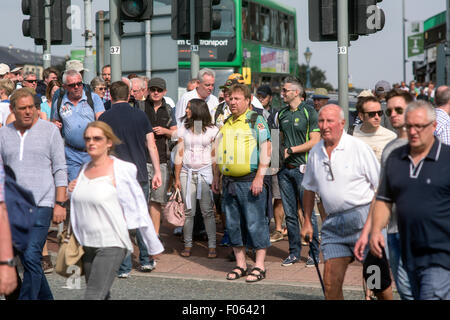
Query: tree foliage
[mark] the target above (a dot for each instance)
(318, 77)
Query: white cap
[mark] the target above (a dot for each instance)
(4, 69)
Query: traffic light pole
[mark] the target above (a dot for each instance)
(343, 42)
(114, 24)
(89, 65)
(195, 57)
(47, 55)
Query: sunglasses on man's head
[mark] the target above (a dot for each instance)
(398, 110)
(76, 84)
(373, 113)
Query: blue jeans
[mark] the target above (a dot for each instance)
(35, 285)
(144, 259)
(246, 220)
(431, 283)
(75, 160)
(290, 182)
(398, 271)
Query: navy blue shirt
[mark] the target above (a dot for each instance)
(131, 126)
(421, 194)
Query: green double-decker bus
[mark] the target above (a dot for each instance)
(257, 38)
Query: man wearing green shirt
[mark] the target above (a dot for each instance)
(299, 132)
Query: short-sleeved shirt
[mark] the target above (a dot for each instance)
(296, 126)
(421, 194)
(2, 181)
(346, 180)
(160, 118)
(443, 126)
(131, 126)
(197, 147)
(76, 118)
(238, 152)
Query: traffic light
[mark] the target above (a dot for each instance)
(136, 10)
(364, 17)
(34, 27)
(207, 18)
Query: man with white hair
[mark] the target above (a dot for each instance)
(72, 113)
(207, 78)
(345, 172)
(416, 179)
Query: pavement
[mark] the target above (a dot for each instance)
(171, 265)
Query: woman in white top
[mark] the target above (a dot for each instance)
(193, 171)
(106, 201)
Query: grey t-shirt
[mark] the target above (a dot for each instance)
(391, 146)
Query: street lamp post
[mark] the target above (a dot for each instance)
(308, 55)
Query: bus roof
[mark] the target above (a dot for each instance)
(276, 5)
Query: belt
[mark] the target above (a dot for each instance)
(290, 166)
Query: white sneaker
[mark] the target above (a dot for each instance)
(124, 275)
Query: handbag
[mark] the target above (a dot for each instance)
(69, 255)
(174, 210)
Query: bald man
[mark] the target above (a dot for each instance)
(345, 172)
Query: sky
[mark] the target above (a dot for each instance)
(371, 58)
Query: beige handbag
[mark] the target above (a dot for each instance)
(69, 254)
(174, 210)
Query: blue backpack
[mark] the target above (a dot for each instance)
(21, 210)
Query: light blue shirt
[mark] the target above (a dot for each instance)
(76, 118)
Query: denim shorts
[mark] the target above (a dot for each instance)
(246, 220)
(341, 230)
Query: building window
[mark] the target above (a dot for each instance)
(265, 24)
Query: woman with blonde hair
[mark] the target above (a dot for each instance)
(106, 201)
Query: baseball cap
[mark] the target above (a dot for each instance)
(320, 93)
(264, 91)
(76, 65)
(229, 83)
(382, 87)
(16, 69)
(365, 93)
(4, 69)
(237, 76)
(157, 83)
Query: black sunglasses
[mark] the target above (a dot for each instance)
(373, 113)
(76, 84)
(398, 110)
(153, 89)
(32, 81)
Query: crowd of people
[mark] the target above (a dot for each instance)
(103, 158)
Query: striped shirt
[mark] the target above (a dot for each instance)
(443, 126)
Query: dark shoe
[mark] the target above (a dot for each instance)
(290, 260)
(310, 262)
(225, 240)
(237, 275)
(258, 276)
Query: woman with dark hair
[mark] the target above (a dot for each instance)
(106, 201)
(193, 171)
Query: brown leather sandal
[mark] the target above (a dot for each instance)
(186, 252)
(212, 254)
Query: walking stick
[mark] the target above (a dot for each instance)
(316, 264)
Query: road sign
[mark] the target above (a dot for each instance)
(415, 45)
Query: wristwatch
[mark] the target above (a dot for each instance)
(61, 203)
(289, 150)
(10, 262)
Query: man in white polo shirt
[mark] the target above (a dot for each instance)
(345, 172)
(203, 91)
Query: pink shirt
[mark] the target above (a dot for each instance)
(197, 147)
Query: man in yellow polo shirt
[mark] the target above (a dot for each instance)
(243, 151)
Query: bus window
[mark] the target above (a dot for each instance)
(265, 24)
(292, 43)
(284, 30)
(254, 21)
(275, 28)
(227, 26)
(245, 29)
